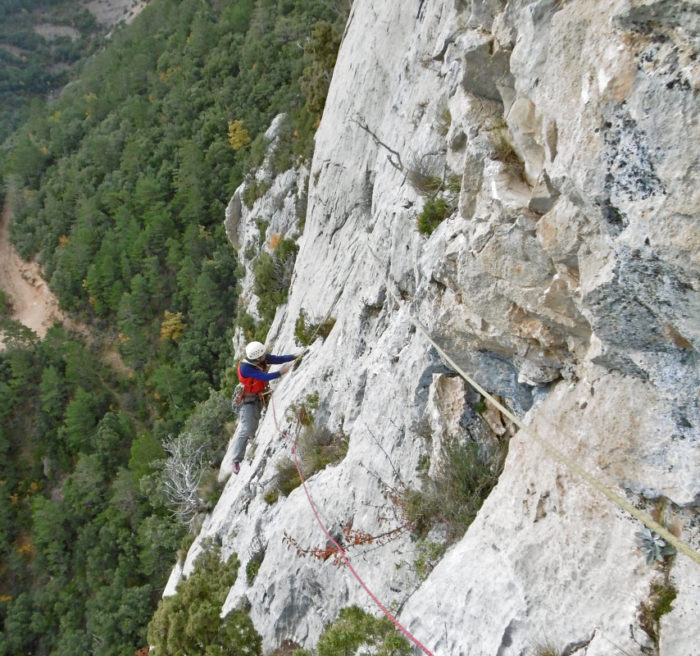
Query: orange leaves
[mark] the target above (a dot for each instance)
(275, 239)
(351, 538)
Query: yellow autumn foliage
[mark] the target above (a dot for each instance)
(172, 326)
(238, 136)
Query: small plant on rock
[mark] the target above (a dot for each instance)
(429, 555)
(653, 546)
(435, 211)
(444, 121)
(659, 603)
(253, 566)
(303, 413)
(319, 447)
(306, 333)
(546, 648)
(503, 150)
(253, 191)
(455, 495)
(424, 182)
(287, 476)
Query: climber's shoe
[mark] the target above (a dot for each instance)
(236, 466)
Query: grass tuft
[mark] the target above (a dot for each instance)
(305, 333)
(659, 604)
(455, 495)
(253, 566)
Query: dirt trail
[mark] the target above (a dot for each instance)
(33, 304)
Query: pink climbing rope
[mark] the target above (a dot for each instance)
(341, 552)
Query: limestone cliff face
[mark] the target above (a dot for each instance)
(562, 137)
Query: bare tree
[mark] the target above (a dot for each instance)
(182, 476)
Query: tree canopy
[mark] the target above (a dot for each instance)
(118, 187)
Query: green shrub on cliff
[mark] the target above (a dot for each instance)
(189, 622)
(354, 628)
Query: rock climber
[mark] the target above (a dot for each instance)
(254, 376)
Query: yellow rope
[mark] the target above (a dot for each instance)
(647, 520)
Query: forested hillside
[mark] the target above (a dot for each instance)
(41, 44)
(118, 187)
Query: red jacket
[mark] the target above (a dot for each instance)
(252, 386)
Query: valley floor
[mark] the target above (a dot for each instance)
(33, 304)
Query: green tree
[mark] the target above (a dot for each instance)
(18, 637)
(82, 416)
(189, 622)
(119, 189)
(145, 450)
(54, 393)
(26, 161)
(354, 628)
(322, 48)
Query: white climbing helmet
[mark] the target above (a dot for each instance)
(254, 351)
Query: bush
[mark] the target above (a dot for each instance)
(435, 211)
(253, 566)
(318, 447)
(305, 334)
(287, 476)
(189, 622)
(454, 497)
(273, 274)
(354, 628)
(253, 191)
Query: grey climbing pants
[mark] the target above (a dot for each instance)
(248, 419)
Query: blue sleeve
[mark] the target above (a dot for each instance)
(279, 359)
(251, 372)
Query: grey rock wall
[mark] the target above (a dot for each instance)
(565, 280)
